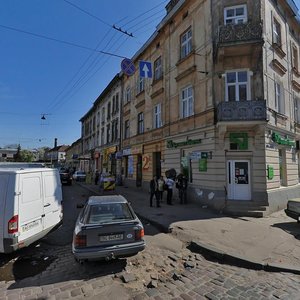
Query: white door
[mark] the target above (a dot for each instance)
(31, 209)
(52, 199)
(238, 180)
(3, 189)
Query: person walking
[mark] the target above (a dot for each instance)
(170, 183)
(154, 191)
(182, 184)
(96, 177)
(161, 185)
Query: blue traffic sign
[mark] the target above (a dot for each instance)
(145, 69)
(127, 66)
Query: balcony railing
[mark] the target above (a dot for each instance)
(253, 110)
(245, 32)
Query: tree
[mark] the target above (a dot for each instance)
(24, 155)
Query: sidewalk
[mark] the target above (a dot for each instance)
(271, 243)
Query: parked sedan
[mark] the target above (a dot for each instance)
(293, 209)
(107, 228)
(79, 176)
(65, 176)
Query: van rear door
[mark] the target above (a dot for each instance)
(3, 218)
(52, 199)
(31, 208)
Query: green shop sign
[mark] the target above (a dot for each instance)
(171, 144)
(277, 138)
(203, 164)
(240, 138)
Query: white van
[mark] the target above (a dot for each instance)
(30, 205)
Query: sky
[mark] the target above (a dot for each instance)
(49, 66)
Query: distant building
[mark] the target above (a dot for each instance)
(73, 155)
(57, 155)
(8, 154)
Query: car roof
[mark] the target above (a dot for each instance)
(106, 199)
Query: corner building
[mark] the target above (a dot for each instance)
(223, 105)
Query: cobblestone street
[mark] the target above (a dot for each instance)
(156, 273)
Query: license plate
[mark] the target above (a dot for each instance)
(31, 225)
(111, 237)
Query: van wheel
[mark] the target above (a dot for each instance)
(80, 261)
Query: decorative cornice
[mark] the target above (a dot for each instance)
(296, 85)
(158, 92)
(141, 103)
(186, 72)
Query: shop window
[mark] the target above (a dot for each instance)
(237, 86)
(187, 102)
(235, 14)
(186, 43)
(282, 167)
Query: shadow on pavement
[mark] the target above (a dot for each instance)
(292, 228)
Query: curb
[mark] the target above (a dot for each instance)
(212, 253)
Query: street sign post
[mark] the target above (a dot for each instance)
(127, 66)
(145, 69)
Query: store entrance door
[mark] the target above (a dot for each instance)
(238, 180)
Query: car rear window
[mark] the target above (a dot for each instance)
(110, 212)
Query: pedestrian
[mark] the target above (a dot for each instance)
(96, 177)
(154, 191)
(182, 184)
(161, 186)
(170, 183)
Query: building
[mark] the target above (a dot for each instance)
(8, 154)
(101, 130)
(57, 155)
(73, 152)
(222, 106)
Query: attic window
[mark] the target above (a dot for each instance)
(185, 15)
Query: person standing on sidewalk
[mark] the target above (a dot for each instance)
(154, 191)
(161, 184)
(170, 183)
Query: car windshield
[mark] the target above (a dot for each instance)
(80, 173)
(109, 212)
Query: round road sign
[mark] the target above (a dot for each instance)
(127, 66)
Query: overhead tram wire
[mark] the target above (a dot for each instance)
(97, 18)
(59, 41)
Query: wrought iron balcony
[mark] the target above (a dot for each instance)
(252, 110)
(246, 32)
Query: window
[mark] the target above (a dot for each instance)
(235, 14)
(276, 33)
(103, 114)
(157, 116)
(282, 167)
(186, 43)
(187, 102)
(108, 110)
(157, 69)
(108, 133)
(117, 102)
(128, 95)
(237, 86)
(140, 123)
(294, 58)
(113, 105)
(141, 84)
(126, 129)
(297, 110)
(114, 135)
(102, 136)
(279, 98)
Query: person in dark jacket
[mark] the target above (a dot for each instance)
(154, 191)
(182, 184)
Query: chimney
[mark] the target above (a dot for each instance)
(55, 142)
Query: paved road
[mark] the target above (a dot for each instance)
(167, 269)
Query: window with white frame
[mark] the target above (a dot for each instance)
(235, 14)
(108, 134)
(276, 32)
(126, 129)
(157, 69)
(108, 110)
(141, 84)
(237, 86)
(186, 43)
(102, 136)
(157, 116)
(187, 102)
(127, 95)
(113, 105)
(117, 102)
(140, 123)
(279, 98)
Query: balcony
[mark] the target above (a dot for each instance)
(246, 32)
(253, 110)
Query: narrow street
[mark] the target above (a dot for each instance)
(166, 269)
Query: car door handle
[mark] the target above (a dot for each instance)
(46, 205)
